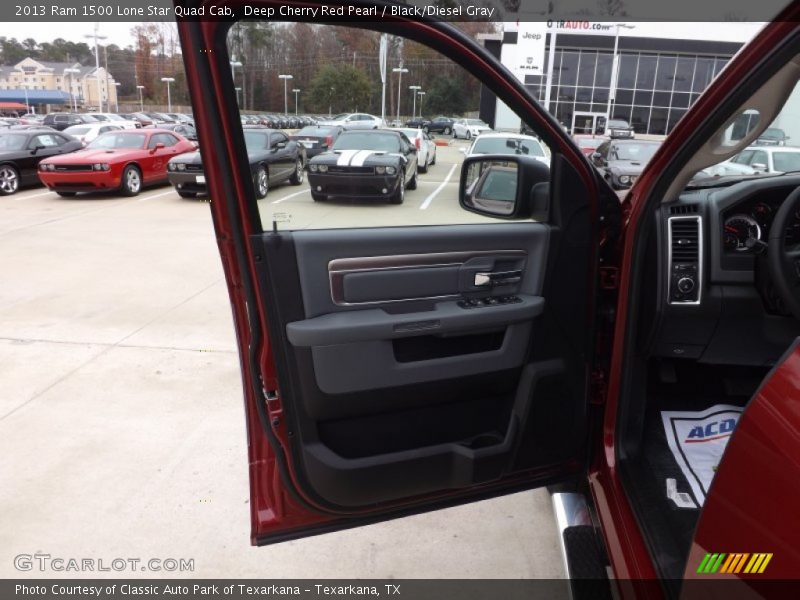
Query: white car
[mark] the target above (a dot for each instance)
(89, 131)
(469, 128)
(509, 143)
(350, 121)
(426, 147)
(769, 159)
(115, 119)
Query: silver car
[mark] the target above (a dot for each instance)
(350, 121)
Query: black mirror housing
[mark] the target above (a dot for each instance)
(499, 185)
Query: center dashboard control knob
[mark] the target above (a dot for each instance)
(685, 285)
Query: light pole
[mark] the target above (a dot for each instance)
(96, 36)
(168, 80)
(285, 93)
(235, 63)
(71, 86)
(414, 89)
(330, 104)
(612, 88)
(116, 94)
(420, 94)
(141, 97)
(238, 89)
(296, 96)
(399, 70)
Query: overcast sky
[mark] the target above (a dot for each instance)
(118, 33)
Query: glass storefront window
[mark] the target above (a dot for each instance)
(622, 111)
(583, 94)
(586, 70)
(662, 99)
(624, 97)
(703, 74)
(568, 72)
(628, 64)
(666, 73)
(684, 74)
(646, 72)
(658, 121)
(652, 91)
(604, 66)
(680, 100)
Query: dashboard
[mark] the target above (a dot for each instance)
(714, 298)
(748, 222)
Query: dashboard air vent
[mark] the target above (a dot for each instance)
(683, 209)
(685, 241)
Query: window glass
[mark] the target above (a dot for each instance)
(12, 141)
(684, 74)
(568, 69)
(375, 178)
(119, 140)
(786, 161)
(604, 67)
(743, 158)
(586, 70)
(646, 72)
(628, 64)
(703, 74)
(666, 73)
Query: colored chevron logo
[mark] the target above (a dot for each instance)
(740, 562)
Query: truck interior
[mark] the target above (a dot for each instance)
(717, 306)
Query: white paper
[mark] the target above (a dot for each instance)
(698, 440)
(200, 178)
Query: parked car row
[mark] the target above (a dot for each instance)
(279, 121)
(90, 157)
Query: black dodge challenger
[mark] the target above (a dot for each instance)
(376, 165)
(21, 151)
(272, 155)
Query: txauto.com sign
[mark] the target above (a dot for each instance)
(588, 26)
(46, 562)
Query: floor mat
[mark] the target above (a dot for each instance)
(697, 440)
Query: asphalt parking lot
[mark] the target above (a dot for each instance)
(121, 422)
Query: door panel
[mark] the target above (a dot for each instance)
(403, 386)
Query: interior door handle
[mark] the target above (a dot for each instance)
(497, 278)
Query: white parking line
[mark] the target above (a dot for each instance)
(143, 198)
(306, 191)
(427, 202)
(25, 196)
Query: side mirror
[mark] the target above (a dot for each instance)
(36, 149)
(597, 158)
(759, 166)
(500, 186)
(158, 146)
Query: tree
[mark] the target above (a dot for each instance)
(342, 88)
(11, 51)
(446, 96)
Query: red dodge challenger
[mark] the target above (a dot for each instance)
(122, 161)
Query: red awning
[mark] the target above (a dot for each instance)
(12, 106)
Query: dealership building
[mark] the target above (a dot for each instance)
(656, 73)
